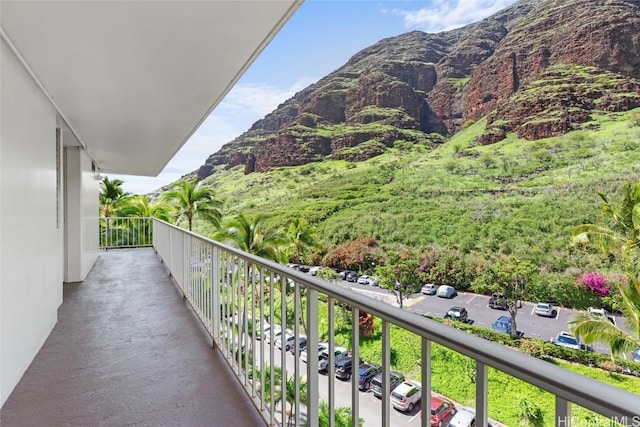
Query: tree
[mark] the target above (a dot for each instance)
(290, 396)
(139, 230)
(112, 197)
(302, 240)
(510, 276)
(361, 254)
(111, 190)
(342, 416)
(250, 235)
(141, 206)
(621, 231)
(401, 274)
(191, 200)
(592, 328)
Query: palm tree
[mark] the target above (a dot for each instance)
(342, 416)
(112, 198)
(590, 328)
(302, 239)
(139, 230)
(142, 207)
(250, 235)
(622, 230)
(111, 190)
(290, 396)
(190, 200)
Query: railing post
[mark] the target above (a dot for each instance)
(313, 395)
(386, 374)
(331, 362)
(425, 402)
(482, 398)
(215, 295)
(563, 412)
(355, 363)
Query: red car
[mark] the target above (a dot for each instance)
(441, 409)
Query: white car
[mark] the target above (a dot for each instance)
(322, 348)
(287, 342)
(314, 270)
(363, 280)
(464, 417)
(406, 395)
(429, 289)
(266, 332)
(323, 360)
(565, 339)
(446, 291)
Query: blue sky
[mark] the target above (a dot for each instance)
(319, 38)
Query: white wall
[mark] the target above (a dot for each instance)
(30, 242)
(82, 212)
(32, 250)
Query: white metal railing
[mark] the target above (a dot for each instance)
(125, 232)
(233, 292)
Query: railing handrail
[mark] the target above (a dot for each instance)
(600, 397)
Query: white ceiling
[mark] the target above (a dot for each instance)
(134, 79)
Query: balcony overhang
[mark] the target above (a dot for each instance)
(134, 80)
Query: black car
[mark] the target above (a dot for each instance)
(343, 368)
(457, 313)
(343, 274)
(366, 372)
(351, 276)
(498, 301)
(397, 378)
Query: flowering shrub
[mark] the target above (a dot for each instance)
(595, 283)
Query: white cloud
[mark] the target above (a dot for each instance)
(443, 15)
(244, 105)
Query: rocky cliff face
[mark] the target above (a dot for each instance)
(538, 68)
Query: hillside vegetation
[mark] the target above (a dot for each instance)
(514, 197)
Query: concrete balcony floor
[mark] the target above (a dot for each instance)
(127, 350)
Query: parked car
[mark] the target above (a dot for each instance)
(544, 309)
(429, 289)
(441, 409)
(266, 332)
(600, 312)
(635, 356)
(363, 280)
(397, 378)
(406, 395)
(374, 281)
(498, 301)
(344, 366)
(287, 337)
(464, 417)
(366, 372)
(343, 274)
(565, 339)
(304, 354)
(502, 324)
(323, 360)
(302, 344)
(457, 313)
(351, 276)
(314, 270)
(446, 291)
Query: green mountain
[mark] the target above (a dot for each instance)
(488, 140)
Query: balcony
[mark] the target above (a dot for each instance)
(129, 349)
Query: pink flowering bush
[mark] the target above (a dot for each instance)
(595, 283)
